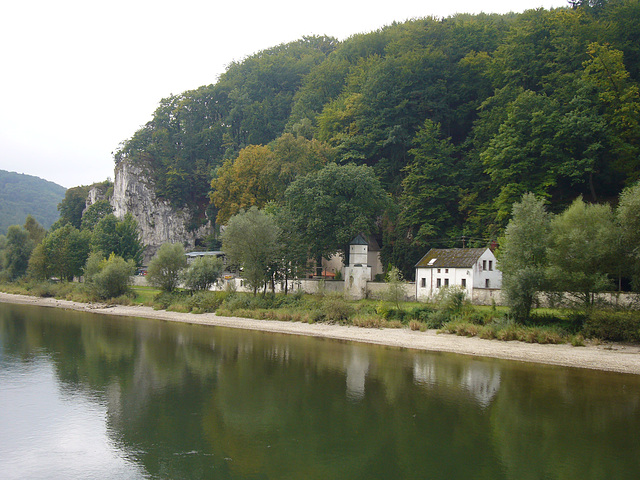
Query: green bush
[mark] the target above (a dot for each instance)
(113, 277)
(206, 302)
(164, 300)
(336, 309)
(622, 326)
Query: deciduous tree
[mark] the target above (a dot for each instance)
(523, 254)
(582, 250)
(251, 241)
(166, 267)
(330, 207)
(202, 272)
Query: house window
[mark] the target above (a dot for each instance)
(438, 270)
(438, 283)
(486, 283)
(446, 282)
(446, 270)
(423, 282)
(464, 283)
(484, 264)
(490, 264)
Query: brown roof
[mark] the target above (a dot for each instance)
(451, 257)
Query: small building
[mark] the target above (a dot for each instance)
(469, 268)
(193, 255)
(358, 272)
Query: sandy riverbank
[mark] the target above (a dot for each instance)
(609, 357)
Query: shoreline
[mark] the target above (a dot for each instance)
(619, 358)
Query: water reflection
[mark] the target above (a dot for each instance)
(133, 398)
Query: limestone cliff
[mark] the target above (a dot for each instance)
(159, 221)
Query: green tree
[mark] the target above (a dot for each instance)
(202, 272)
(62, 254)
(95, 212)
(293, 258)
(583, 250)
(395, 287)
(121, 237)
(109, 278)
(72, 206)
(251, 241)
(523, 255)
(261, 174)
(17, 252)
(166, 267)
(628, 219)
(331, 206)
(36, 231)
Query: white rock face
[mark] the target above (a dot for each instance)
(159, 222)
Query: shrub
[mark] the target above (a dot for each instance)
(421, 313)
(202, 273)
(367, 321)
(416, 325)
(202, 302)
(336, 308)
(166, 267)
(615, 326)
(452, 299)
(112, 278)
(437, 319)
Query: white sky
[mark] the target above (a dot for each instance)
(79, 77)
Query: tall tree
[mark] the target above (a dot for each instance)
(72, 206)
(583, 250)
(330, 207)
(36, 231)
(523, 255)
(166, 267)
(121, 237)
(628, 219)
(62, 254)
(251, 241)
(261, 174)
(18, 250)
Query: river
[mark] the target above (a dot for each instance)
(94, 396)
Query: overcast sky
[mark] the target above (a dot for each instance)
(79, 77)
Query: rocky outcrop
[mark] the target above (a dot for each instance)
(159, 221)
(96, 193)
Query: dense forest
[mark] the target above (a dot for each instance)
(458, 118)
(21, 195)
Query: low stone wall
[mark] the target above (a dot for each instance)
(377, 290)
(486, 296)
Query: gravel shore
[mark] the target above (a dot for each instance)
(609, 357)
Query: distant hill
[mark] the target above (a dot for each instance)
(21, 195)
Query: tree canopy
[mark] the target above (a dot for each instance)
(458, 118)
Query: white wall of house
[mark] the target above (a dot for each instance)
(429, 280)
(482, 275)
(486, 270)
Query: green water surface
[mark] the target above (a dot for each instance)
(93, 396)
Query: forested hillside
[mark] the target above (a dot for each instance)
(21, 195)
(458, 117)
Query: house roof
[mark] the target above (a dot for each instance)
(359, 240)
(451, 257)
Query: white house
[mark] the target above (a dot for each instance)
(469, 268)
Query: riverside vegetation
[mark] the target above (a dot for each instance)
(449, 312)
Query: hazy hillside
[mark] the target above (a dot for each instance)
(21, 195)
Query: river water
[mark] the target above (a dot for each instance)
(96, 397)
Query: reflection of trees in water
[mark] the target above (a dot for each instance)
(194, 402)
(581, 424)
